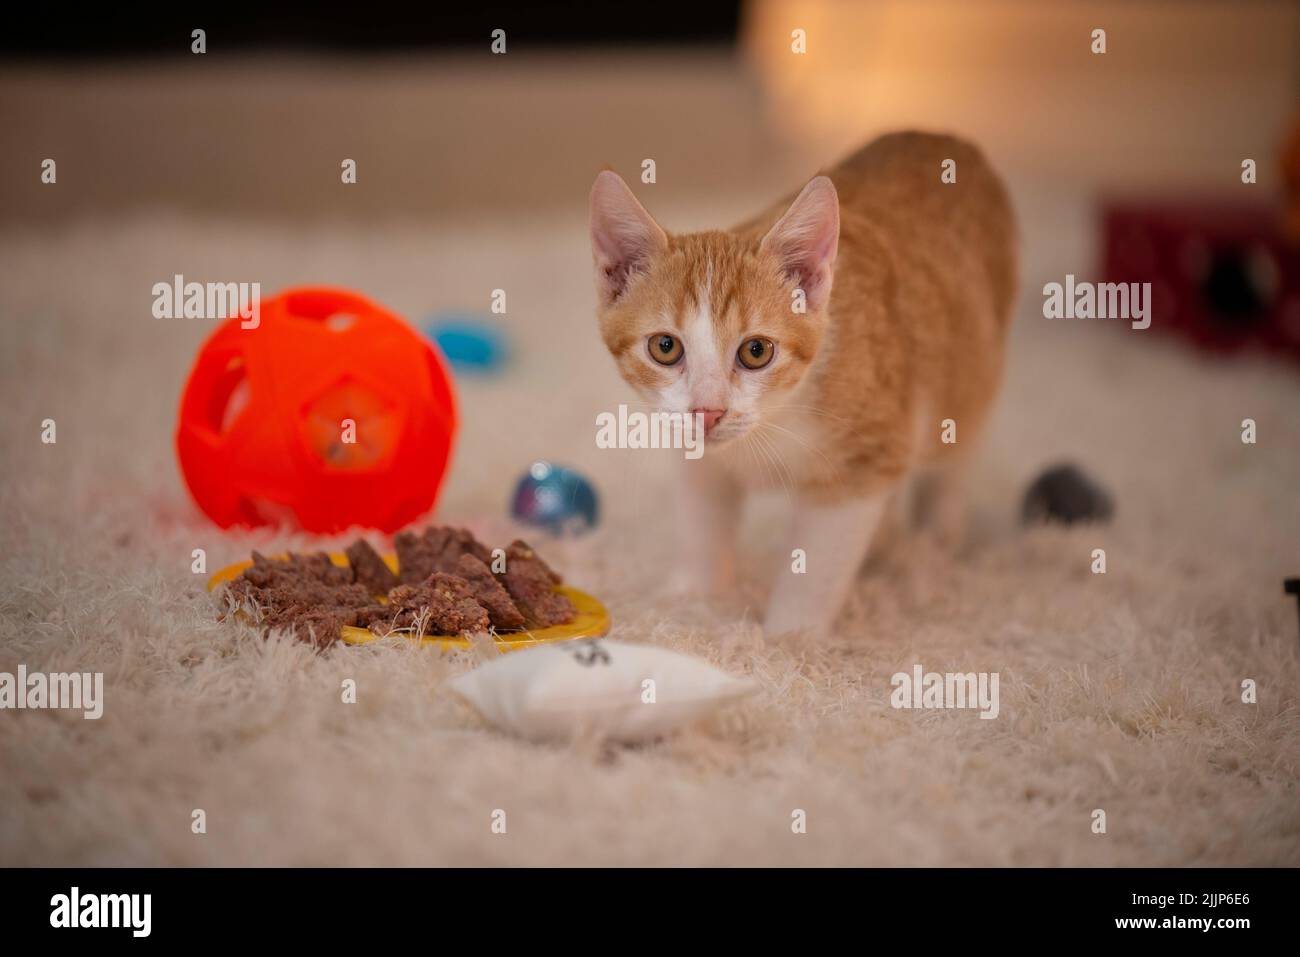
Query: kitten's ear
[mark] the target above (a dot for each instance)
(806, 239)
(624, 236)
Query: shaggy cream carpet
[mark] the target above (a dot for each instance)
(1119, 692)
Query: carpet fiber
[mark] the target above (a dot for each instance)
(1119, 692)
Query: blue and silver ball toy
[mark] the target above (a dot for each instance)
(555, 498)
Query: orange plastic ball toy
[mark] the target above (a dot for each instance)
(331, 412)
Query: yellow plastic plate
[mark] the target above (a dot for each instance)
(591, 621)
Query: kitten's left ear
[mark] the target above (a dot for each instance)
(806, 239)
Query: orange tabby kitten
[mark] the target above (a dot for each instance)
(824, 344)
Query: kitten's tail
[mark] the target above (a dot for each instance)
(1002, 252)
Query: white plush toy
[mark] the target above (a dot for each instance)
(609, 689)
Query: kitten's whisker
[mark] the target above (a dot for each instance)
(755, 453)
(808, 446)
(780, 457)
(774, 456)
(806, 408)
(857, 433)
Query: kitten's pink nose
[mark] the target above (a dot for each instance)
(711, 417)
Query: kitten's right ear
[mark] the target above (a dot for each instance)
(806, 239)
(624, 237)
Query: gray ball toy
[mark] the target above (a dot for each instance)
(1065, 494)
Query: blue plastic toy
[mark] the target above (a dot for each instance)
(555, 498)
(470, 343)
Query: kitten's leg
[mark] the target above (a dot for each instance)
(834, 539)
(893, 525)
(708, 515)
(941, 502)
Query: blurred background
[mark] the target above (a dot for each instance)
(473, 169)
(712, 91)
(442, 129)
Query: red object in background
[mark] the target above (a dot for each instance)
(1226, 277)
(263, 430)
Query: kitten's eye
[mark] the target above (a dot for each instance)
(756, 353)
(665, 350)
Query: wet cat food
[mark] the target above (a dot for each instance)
(445, 585)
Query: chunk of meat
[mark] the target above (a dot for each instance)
(437, 549)
(502, 611)
(317, 567)
(531, 584)
(321, 625)
(520, 550)
(458, 542)
(367, 615)
(300, 592)
(443, 605)
(369, 569)
(414, 558)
